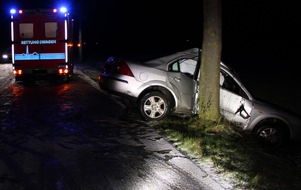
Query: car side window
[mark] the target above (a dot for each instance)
(227, 82)
(174, 67)
(186, 66)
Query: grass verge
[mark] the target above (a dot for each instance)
(253, 165)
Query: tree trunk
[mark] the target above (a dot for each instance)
(209, 107)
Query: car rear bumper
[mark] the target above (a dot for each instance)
(117, 86)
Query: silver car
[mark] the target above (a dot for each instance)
(169, 84)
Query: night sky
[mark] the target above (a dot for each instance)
(256, 33)
(260, 38)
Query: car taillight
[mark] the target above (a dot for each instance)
(124, 69)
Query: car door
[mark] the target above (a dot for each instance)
(180, 77)
(234, 103)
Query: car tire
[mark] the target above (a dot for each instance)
(271, 135)
(154, 106)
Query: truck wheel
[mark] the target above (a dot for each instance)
(18, 78)
(65, 78)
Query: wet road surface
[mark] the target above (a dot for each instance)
(72, 136)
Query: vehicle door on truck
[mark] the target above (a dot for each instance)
(39, 37)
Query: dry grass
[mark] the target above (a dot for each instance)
(255, 166)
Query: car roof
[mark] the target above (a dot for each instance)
(162, 61)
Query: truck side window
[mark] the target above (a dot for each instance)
(26, 30)
(51, 30)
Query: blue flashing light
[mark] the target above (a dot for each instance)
(13, 11)
(63, 9)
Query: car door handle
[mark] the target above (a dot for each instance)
(178, 79)
(242, 112)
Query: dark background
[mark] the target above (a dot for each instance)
(258, 36)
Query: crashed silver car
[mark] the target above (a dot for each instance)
(169, 84)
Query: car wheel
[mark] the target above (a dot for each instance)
(154, 106)
(271, 135)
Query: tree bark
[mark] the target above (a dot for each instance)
(209, 93)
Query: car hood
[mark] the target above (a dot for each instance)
(269, 107)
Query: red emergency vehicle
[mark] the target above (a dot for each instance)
(40, 40)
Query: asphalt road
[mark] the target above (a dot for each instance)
(73, 136)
